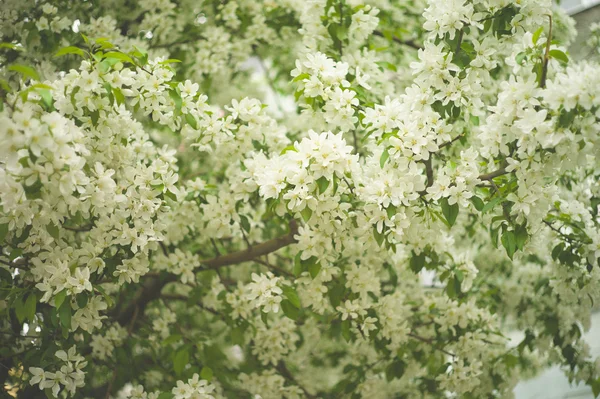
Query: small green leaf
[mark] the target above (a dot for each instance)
(298, 266)
(30, 306)
(3, 232)
(169, 61)
(166, 395)
(477, 203)
(119, 56)
(314, 269)
(70, 50)
(206, 373)
(559, 55)
(181, 359)
(521, 236)
(490, 205)
(536, 35)
(119, 97)
(335, 294)
(288, 148)
(53, 230)
(417, 262)
(346, 330)
(289, 310)
(450, 211)
(60, 298)
(509, 243)
(379, 237)
(395, 370)
(245, 223)
(306, 213)
(291, 294)
(20, 310)
(322, 183)
(191, 120)
(25, 70)
(64, 312)
(384, 157)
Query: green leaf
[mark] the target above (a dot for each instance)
(64, 312)
(298, 266)
(289, 310)
(453, 288)
(237, 335)
(477, 203)
(300, 77)
(288, 148)
(387, 65)
(450, 211)
(384, 157)
(206, 373)
(322, 183)
(191, 120)
(395, 370)
(291, 294)
(119, 97)
(509, 243)
(346, 330)
(306, 213)
(335, 294)
(490, 205)
(417, 262)
(166, 395)
(53, 230)
(30, 306)
(60, 298)
(3, 231)
(314, 269)
(70, 50)
(20, 310)
(171, 340)
(559, 55)
(264, 318)
(536, 35)
(181, 359)
(245, 223)
(46, 96)
(169, 61)
(11, 46)
(119, 56)
(379, 237)
(25, 70)
(521, 236)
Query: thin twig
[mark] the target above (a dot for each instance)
(409, 43)
(546, 56)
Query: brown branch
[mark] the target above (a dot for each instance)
(285, 373)
(546, 56)
(447, 143)
(274, 267)
(409, 43)
(79, 229)
(491, 175)
(252, 252)
(430, 342)
(152, 287)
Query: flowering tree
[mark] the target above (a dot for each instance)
(165, 234)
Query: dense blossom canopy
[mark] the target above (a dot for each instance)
(295, 198)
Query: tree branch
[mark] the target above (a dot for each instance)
(546, 56)
(409, 43)
(152, 287)
(491, 175)
(285, 373)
